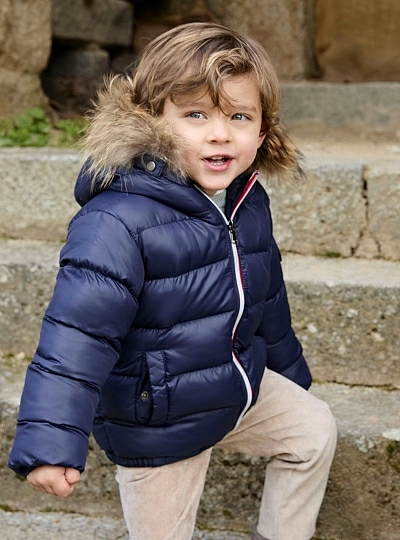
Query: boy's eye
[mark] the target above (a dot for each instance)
(240, 116)
(196, 115)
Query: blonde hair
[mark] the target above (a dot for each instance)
(191, 58)
(199, 56)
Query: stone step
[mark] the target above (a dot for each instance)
(345, 311)
(36, 192)
(349, 206)
(64, 526)
(107, 23)
(373, 106)
(362, 501)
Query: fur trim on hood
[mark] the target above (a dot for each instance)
(120, 131)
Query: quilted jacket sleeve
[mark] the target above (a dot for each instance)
(285, 354)
(93, 305)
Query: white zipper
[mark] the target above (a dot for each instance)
(239, 284)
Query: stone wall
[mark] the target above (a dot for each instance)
(65, 47)
(283, 27)
(87, 37)
(25, 42)
(358, 40)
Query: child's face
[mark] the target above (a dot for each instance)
(220, 145)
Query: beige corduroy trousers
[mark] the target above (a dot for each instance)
(289, 425)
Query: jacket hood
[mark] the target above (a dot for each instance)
(120, 131)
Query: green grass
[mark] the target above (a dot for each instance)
(71, 132)
(34, 128)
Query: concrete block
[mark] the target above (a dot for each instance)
(74, 76)
(325, 213)
(25, 42)
(346, 314)
(362, 500)
(25, 35)
(367, 105)
(383, 185)
(47, 526)
(291, 46)
(108, 22)
(346, 207)
(88, 63)
(27, 276)
(358, 40)
(19, 92)
(36, 192)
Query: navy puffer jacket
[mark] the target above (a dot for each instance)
(164, 316)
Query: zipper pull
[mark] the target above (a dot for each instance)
(232, 232)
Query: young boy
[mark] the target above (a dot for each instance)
(169, 330)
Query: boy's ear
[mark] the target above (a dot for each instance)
(262, 136)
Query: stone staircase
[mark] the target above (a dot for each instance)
(339, 234)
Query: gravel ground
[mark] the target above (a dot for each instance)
(60, 526)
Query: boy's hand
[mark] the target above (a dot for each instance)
(55, 480)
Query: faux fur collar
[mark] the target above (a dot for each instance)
(119, 131)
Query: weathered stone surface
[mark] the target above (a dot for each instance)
(25, 35)
(36, 192)
(25, 41)
(63, 526)
(80, 62)
(383, 184)
(283, 27)
(19, 92)
(74, 76)
(290, 46)
(367, 106)
(346, 207)
(71, 95)
(27, 276)
(155, 18)
(323, 215)
(362, 499)
(108, 22)
(346, 314)
(358, 40)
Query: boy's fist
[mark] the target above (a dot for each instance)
(55, 480)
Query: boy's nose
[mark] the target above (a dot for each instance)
(219, 131)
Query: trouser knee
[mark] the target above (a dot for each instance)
(324, 432)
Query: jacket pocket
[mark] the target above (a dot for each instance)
(144, 397)
(155, 390)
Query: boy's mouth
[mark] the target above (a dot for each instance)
(218, 160)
